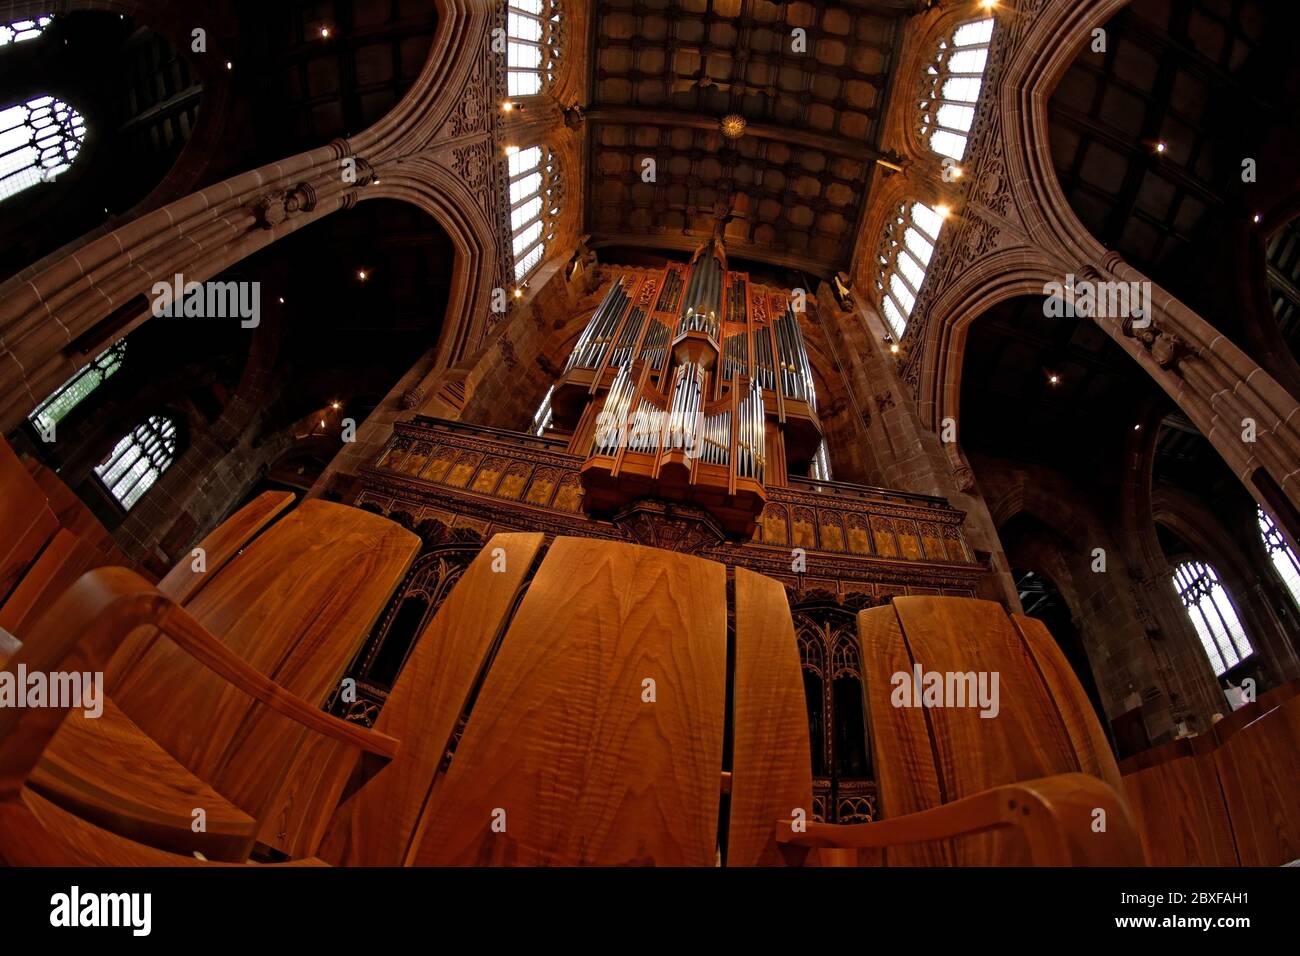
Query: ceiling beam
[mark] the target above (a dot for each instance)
(799, 138)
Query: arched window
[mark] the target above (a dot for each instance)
(71, 393)
(533, 44)
(1283, 558)
(138, 459)
(909, 243)
(1212, 614)
(952, 86)
(21, 30)
(39, 139)
(534, 203)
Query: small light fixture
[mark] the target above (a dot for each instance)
(325, 33)
(988, 4)
(511, 150)
(1137, 427)
(1257, 217)
(1161, 147)
(363, 275)
(956, 171)
(893, 348)
(282, 300)
(229, 65)
(322, 423)
(335, 405)
(507, 106)
(1054, 379)
(943, 211)
(732, 126)
(519, 293)
(374, 182)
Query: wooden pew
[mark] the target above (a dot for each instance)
(108, 769)
(1020, 787)
(566, 760)
(27, 522)
(295, 606)
(376, 826)
(81, 634)
(1227, 798)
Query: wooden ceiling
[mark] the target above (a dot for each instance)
(789, 191)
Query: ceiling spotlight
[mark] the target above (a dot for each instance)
(1137, 428)
(956, 171)
(335, 405)
(1161, 147)
(325, 32)
(519, 293)
(229, 65)
(282, 300)
(363, 275)
(322, 423)
(1054, 379)
(1257, 217)
(988, 4)
(507, 106)
(943, 211)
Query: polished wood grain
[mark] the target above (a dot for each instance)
(80, 634)
(1027, 738)
(1087, 738)
(65, 559)
(1259, 771)
(26, 520)
(771, 762)
(108, 772)
(182, 582)
(73, 514)
(295, 607)
(907, 779)
(560, 739)
(375, 826)
(931, 757)
(1052, 815)
(1179, 811)
(35, 832)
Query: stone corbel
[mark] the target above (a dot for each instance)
(1167, 348)
(274, 207)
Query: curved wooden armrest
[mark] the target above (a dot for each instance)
(1056, 814)
(85, 627)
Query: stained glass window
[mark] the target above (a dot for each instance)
(138, 460)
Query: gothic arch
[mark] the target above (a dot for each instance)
(208, 231)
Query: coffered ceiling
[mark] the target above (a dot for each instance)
(791, 188)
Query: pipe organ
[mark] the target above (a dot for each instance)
(691, 384)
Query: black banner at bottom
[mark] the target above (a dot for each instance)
(380, 907)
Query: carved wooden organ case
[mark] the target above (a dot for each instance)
(693, 385)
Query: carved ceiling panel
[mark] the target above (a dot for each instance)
(810, 82)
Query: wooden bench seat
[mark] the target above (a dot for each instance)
(1227, 798)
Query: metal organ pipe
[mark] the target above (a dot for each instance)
(687, 406)
(585, 338)
(611, 424)
(751, 435)
(622, 352)
(655, 341)
(590, 349)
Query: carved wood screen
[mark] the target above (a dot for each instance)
(844, 789)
